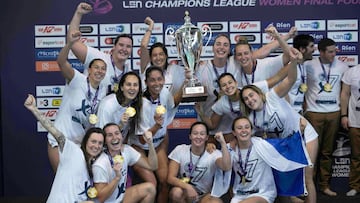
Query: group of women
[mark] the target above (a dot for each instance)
(118, 118)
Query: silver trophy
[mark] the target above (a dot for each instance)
(189, 43)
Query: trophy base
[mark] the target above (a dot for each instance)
(194, 94)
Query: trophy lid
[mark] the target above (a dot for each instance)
(187, 18)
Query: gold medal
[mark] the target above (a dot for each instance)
(91, 192)
(303, 88)
(160, 109)
(264, 135)
(130, 111)
(93, 119)
(118, 159)
(116, 87)
(243, 180)
(185, 180)
(327, 87)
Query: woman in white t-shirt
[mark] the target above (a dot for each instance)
(192, 168)
(73, 179)
(273, 117)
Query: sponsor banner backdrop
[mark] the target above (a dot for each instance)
(32, 42)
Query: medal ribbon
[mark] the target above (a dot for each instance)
(217, 73)
(252, 75)
(93, 102)
(191, 166)
(323, 68)
(302, 71)
(243, 169)
(117, 78)
(238, 112)
(255, 120)
(110, 157)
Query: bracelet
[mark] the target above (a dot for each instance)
(343, 116)
(148, 30)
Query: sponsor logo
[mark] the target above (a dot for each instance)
(49, 30)
(49, 42)
(48, 102)
(106, 41)
(303, 25)
(347, 48)
(252, 38)
(46, 66)
(45, 91)
(46, 54)
(343, 36)
(214, 26)
(245, 26)
(342, 24)
(114, 28)
(350, 60)
(153, 39)
(136, 52)
(90, 41)
(140, 28)
(49, 113)
(89, 29)
(76, 64)
(181, 123)
(283, 26)
(266, 38)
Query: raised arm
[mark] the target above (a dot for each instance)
(285, 85)
(45, 122)
(65, 67)
(283, 44)
(224, 162)
(151, 162)
(265, 50)
(79, 48)
(144, 52)
(344, 105)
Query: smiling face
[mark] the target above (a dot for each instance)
(97, 71)
(242, 130)
(113, 139)
(252, 99)
(94, 144)
(243, 55)
(221, 47)
(155, 82)
(198, 135)
(130, 87)
(122, 49)
(158, 57)
(228, 85)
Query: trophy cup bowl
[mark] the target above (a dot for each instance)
(189, 43)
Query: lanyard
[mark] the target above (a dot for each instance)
(238, 112)
(302, 72)
(242, 169)
(191, 166)
(217, 73)
(255, 120)
(93, 102)
(252, 75)
(116, 78)
(327, 76)
(110, 157)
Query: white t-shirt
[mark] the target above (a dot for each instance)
(73, 115)
(317, 99)
(110, 111)
(351, 77)
(259, 176)
(204, 166)
(104, 173)
(297, 97)
(113, 74)
(72, 178)
(174, 78)
(277, 117)
(208, 77)
(265, 68)
(147, 119)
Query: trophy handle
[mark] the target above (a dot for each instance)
(205, 31)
